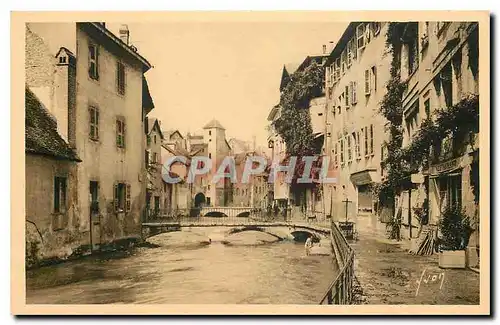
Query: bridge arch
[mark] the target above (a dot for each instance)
(302, 235)
(218, 214)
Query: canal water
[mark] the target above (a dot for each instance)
(180, 270)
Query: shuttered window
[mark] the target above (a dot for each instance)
(94, 61)
(354, 95)
(120, 133)
(93, 123)
(367, 82)
(371, 139)
(120, 77)
(122, 197)
(366, 142)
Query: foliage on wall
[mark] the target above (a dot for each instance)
(459, 119)
(294, 124)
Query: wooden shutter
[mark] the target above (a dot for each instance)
(97, 62)
(123, 134)
(367, 82)
(128, 197)
(115, 198)
(346, 94)
(354, 97)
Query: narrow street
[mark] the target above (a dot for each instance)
(388, 274)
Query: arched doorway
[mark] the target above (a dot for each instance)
(199, 200)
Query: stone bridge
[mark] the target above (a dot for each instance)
(290, 231)
(226, 211)
(281, 229)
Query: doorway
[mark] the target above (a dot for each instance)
(199, 200)
(95, 216)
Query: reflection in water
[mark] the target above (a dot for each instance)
(277, 273)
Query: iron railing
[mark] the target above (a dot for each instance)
(340, 290)
(212, 216)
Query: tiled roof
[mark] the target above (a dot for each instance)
(41, 132)
(214, 124)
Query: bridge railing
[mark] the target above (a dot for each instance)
(341, 288)
(212, 216)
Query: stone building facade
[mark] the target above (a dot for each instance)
(439, 63)
(356, 75)
(93, 83)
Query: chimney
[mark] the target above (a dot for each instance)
(324, 49)
(124, 34)
(332, 45)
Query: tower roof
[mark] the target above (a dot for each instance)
(214, 124)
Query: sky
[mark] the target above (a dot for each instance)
(229, 71)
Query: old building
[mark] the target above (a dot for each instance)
(214, 134)
(53, 227)
(304, 199)
(356, 74)
(93, 83)
(155, 190)
(439, 64)
(213, 145)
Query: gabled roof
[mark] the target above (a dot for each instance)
(214, 124)
(41, 133)
(168, 134)
(147, 100)
(152, 124)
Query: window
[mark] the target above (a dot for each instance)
(209, 132)
(155, 139)
(122, 197)
(412, 123)
(343, 61)
(62, 59)
(360, 36)
(157, 204)
(346, 94)
(411, 44)
(354, 96)
(450, 190)
(366, 142)
(349, 53)
(146, 157)
(120, 77)
(93, 61)
(94, 123)
(210, 155)
(371, 139)
(374, 78)
(342, 151)
(357, 146)
(335, 155)
(120, 133)
(94, 197)
(59, 194)
(340, 103)
(367, 82)
(332, 76)
(337, 69)
(447, 84)
(427, 108)
(155, 157)
(349, 149)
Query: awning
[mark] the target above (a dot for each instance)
(363, 177)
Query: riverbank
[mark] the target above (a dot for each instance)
(123, 246)
(388, 274)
